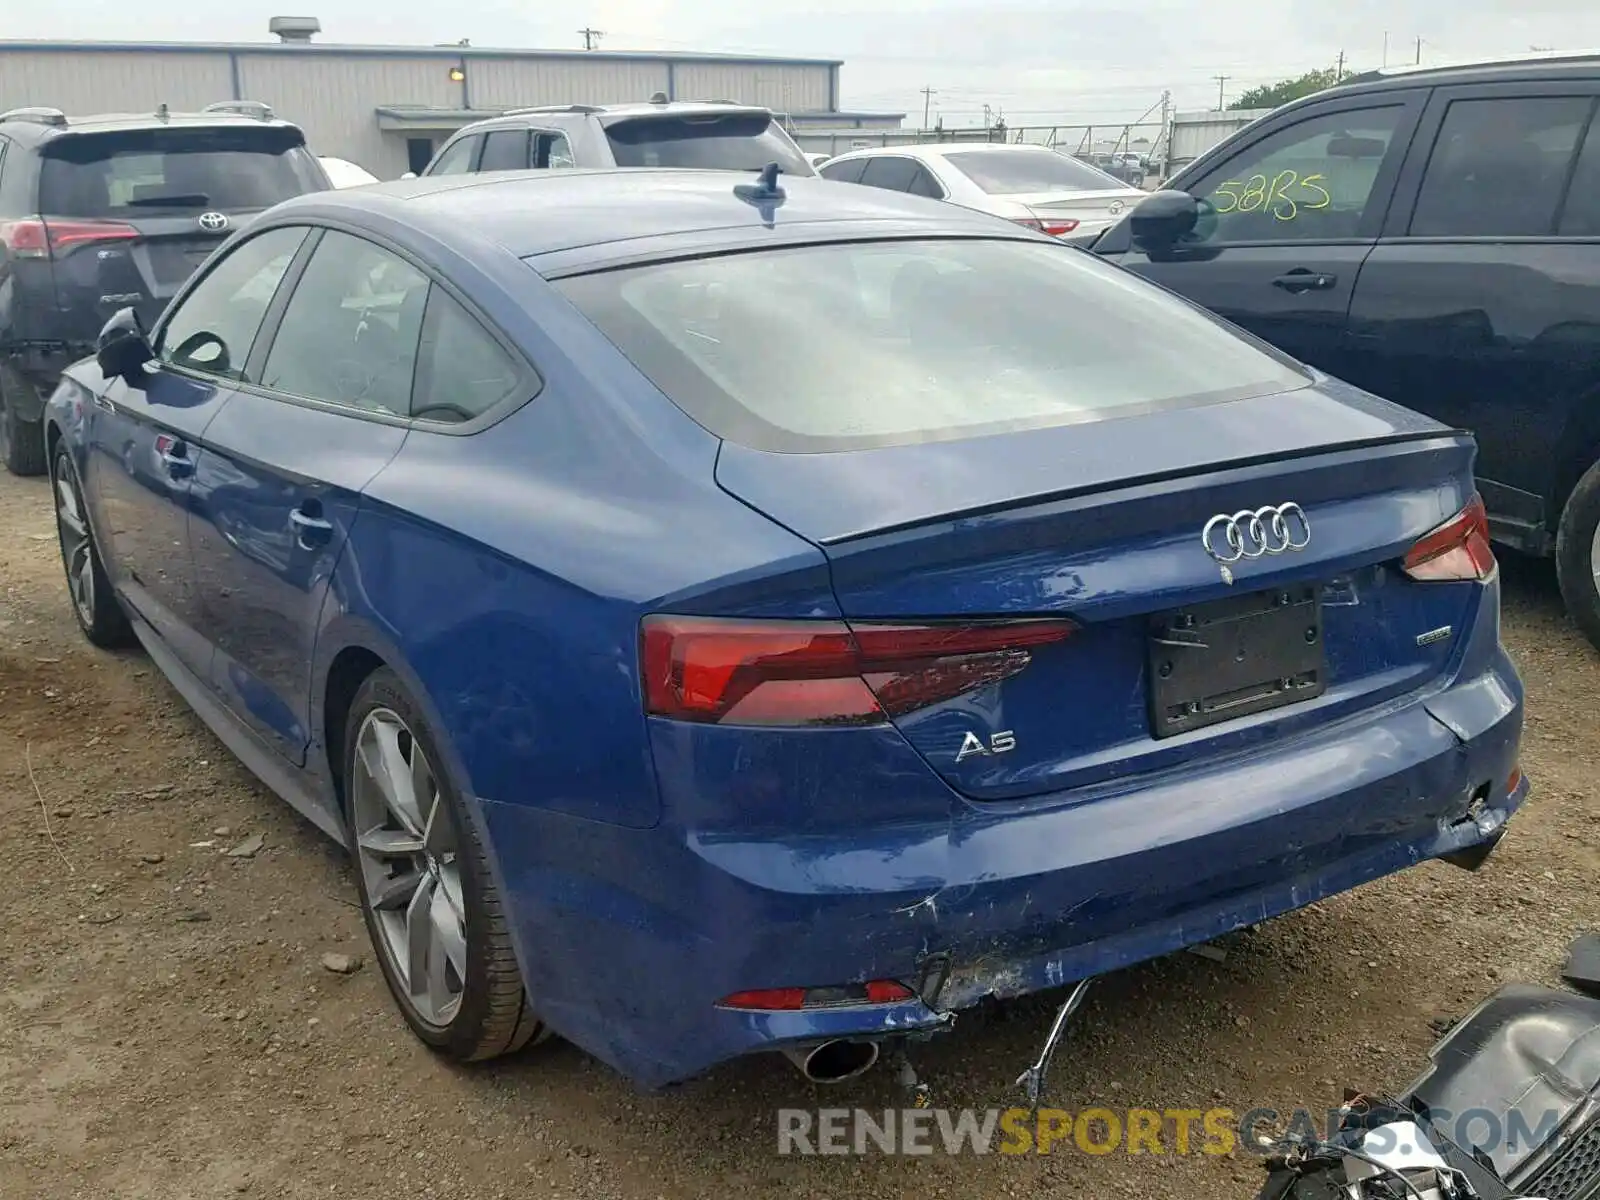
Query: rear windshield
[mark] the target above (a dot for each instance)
(1013, 172)
(151, 171)
(735, 142)
(837, 347)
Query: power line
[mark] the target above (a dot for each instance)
(591, 37)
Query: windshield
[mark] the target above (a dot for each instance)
(1014, 172)
(150, 171)
(732, 142)
(836, 347)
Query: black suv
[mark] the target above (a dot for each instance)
(1433, 236)
(98, 213)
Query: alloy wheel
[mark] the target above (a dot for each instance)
(408, 852)
(77, 551)
(1594, 558)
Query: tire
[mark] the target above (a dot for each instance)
(21, 442)
(1578, 554)
(94, 604)
(469, 1003)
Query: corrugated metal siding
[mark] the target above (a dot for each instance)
(333, 99)
(784, 88)
(524, 83)
(113, 82)
(1195, 133)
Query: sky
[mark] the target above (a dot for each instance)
(1039, 62)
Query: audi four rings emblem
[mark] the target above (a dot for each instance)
(213, 221)
(1273, 529)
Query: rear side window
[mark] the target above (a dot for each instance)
(848, 171)
(834, 347)
(215, 325)
(1017, 172)
(131, 173)
(349, 333)
(1581, 217)
(1499, 167)
(462, 372)
(735, 142)
(505, 150)
(551, 150)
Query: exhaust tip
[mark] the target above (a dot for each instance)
(834, 1061)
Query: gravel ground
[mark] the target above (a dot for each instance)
(167, 1027)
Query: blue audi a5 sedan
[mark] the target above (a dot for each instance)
(725, 614)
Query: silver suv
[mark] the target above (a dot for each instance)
(712, 135)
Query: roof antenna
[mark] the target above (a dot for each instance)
(764, 193)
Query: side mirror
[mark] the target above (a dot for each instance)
(409, 175)
(1162, 218)
(123, 347)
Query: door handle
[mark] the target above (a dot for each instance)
(311, 530)
(174, 455)
(1305, 281)
(104, 401)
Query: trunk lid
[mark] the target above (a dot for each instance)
(1102, 523)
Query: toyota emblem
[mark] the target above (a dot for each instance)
(1247, 534)
(1116, 207)
(213, 222)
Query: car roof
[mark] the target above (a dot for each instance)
(610, 114)
(20, 128)
(533, 213)
(1557, 64)
(937, 150)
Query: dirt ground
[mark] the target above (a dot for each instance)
(167, 1028)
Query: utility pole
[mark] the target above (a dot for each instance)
(1221, 83)
(1161, 151)
(1386, 47)
(1419, 52)
(1338, 72)
(591, 37)
(927, 100)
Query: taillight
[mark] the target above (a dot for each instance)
(1053, 226)
(1457, 550)
(793, 999)
(37, 237)
(746, 672)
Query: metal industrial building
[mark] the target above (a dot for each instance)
(388, 107)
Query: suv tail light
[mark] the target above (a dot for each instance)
(787, 673)
(1053, 226)
(1457, 550)
(41, 237)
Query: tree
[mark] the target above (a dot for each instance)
(1273, 95)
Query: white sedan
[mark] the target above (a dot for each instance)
(1031, 185)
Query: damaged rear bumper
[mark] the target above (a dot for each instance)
(628, 938)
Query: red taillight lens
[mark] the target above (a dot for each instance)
(1054, 226)
(37, 237)
(737, 672)
(1457, 550)
(792, 999)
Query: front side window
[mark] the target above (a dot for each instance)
(1310, 182)
(349, 333)
(505, 150)
(213, 327)
(848, 171)
(456, 158)
(832, 347)
(1009, 171)
(1499, 167)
